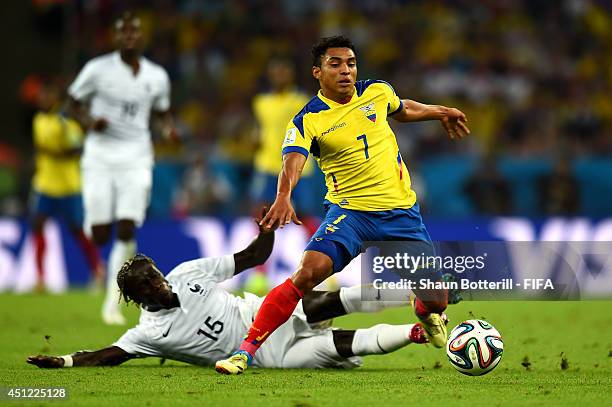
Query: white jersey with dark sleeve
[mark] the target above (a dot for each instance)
(211, 323)
(206, 327)
(113, 92)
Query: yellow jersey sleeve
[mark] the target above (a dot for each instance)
(394, 104)
(301, 131)
(295, 141)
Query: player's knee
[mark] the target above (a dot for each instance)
(305, 280)
(312, 271)
(126, 230)
(101, 234)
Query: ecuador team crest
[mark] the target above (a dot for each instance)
(369, 111)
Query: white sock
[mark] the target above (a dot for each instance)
(120, 252)
(366, 298)
(382, 338)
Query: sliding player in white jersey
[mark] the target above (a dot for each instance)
(113, 98)
(188, 317)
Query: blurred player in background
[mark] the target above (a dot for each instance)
(113, 98)
(186, 316)
(272, 111)
(56, 186)
(369, 194)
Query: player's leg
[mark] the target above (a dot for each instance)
(307, 204)
(98, 196)
(42, 207)
(101, 233)
(72, 212)
(324, 305)
(124, 247)
(377, 340)
(322, 256)
(111, 313)
(98, 202)
(277, 307)
(91, 253)
(429, 307)
(407, 226)
(132, 189)
(342, 348)
(38, 235)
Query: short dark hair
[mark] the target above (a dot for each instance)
(321, 47)
(134, 272)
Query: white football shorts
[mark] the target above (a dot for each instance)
(295, 344)
(112, 195)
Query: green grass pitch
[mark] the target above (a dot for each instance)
(533, 332)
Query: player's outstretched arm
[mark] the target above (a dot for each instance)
(281, 212)
(79, 112)
(110, 356)
(453, 120)
(258, 251)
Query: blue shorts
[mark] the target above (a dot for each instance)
(69, 207)
(343, 231)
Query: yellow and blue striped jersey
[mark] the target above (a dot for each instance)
(56, 175)
(272, 111)
(355, 148)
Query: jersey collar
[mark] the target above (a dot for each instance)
(334, 103)
(117, 59)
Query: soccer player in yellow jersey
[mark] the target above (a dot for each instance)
(57, 182)
(369, 196)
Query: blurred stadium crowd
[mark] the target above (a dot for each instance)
(533, 76)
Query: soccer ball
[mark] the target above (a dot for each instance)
(474, 347)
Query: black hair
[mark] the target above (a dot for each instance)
(319, 49)
(134, 272)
